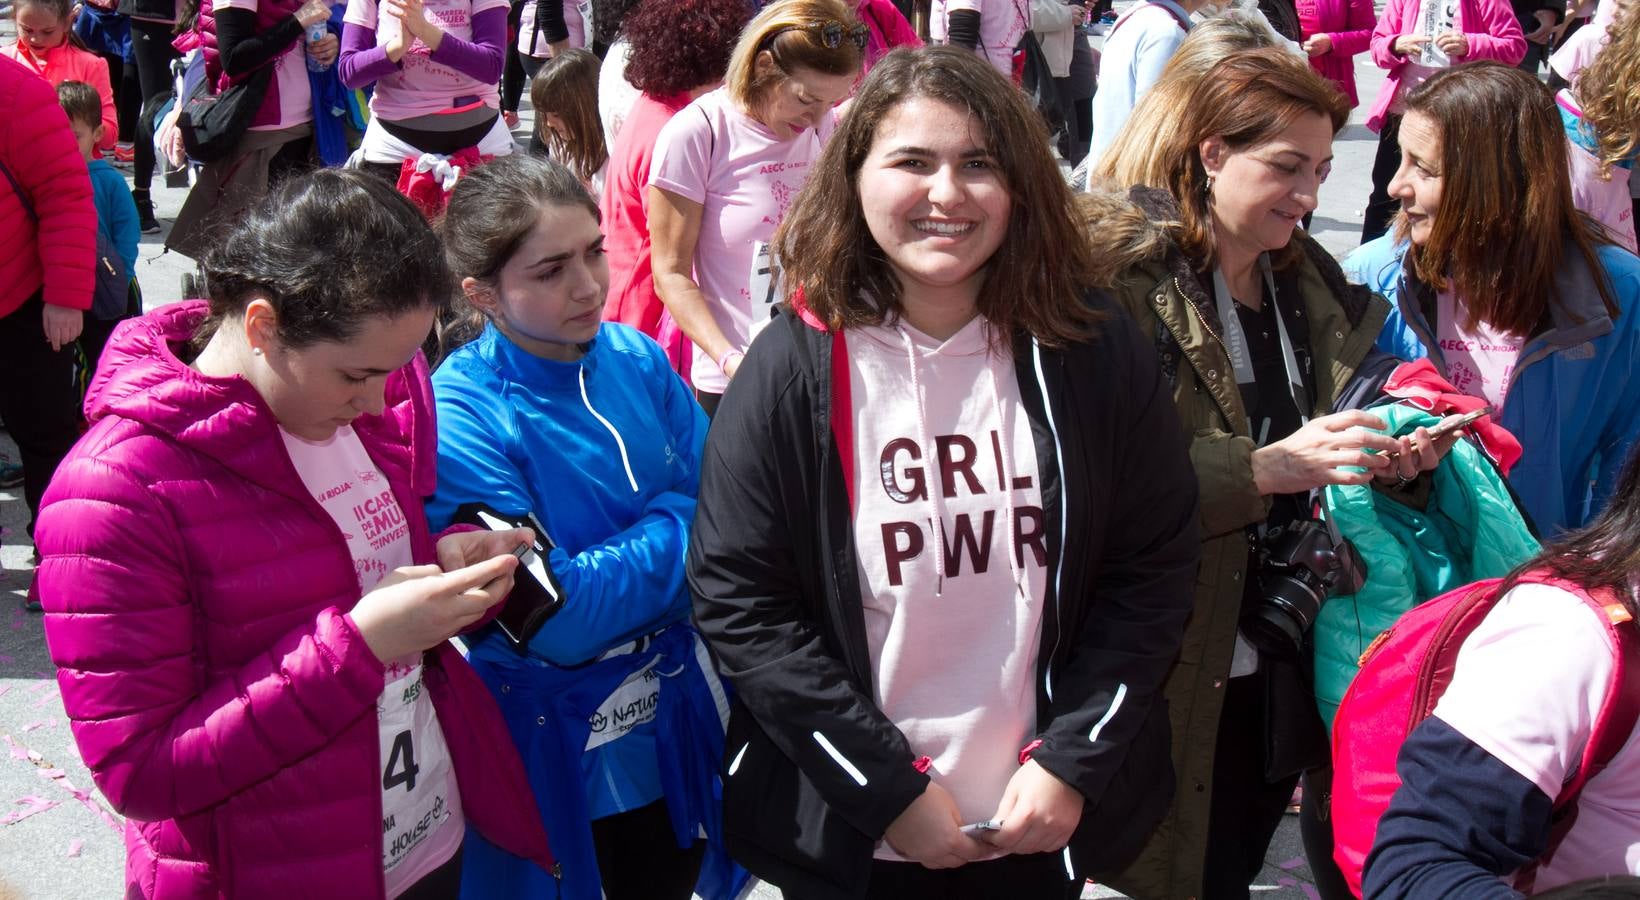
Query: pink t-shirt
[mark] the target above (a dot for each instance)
(423, 87)
(954, 657)
(1527, 688)
(713, 154)
(1479, 361)
(422, 822)
(1581, 47)
(1607, 197)
(577, 18)
(1002, 24)
(290, 78)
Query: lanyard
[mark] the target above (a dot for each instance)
(1235, 342)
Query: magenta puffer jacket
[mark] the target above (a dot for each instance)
(196, 598)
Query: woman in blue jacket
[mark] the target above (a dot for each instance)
(1511, 292)
(549, 411)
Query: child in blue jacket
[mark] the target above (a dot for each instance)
(116, 210)
(615, 706)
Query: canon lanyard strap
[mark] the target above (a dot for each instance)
(1235, 342)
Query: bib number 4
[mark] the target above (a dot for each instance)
(401, 764)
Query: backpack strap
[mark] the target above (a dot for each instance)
(18, 190)
(1613, 725)
(1182, 22)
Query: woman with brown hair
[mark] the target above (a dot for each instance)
(564, 95)
(1258, 333)
(945, 535)
(727, 167)
(1508, 289)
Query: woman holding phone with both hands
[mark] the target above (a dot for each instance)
(896, 681)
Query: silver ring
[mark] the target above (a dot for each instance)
(1403, 480)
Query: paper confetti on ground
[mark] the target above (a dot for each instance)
(31, 806)
(1291, 864)
(74, 847)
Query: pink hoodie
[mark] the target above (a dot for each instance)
(196, 604)
(1489, 25)
(1349, 23)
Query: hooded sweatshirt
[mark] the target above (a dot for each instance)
(196, 598)
(66, 62)
(953, 615)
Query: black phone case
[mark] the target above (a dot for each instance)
(536, 595)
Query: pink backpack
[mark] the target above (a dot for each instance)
(1403, 675)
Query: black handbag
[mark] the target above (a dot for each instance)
(213, 124)
(1038, 84)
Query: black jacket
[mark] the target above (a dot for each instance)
(815, 772)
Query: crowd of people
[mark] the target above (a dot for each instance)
(500, 518)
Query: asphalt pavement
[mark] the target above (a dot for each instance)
(60, 840)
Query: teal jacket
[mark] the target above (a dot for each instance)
(1467, 529)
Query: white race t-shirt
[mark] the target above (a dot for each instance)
(1479, 361)
(745, 178)
(1527, 687)
(423, 87)
(1435, 17)
(954, 657)
(422, 823)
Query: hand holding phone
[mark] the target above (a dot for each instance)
(1456, 423)
(536, 593)
(974, 828)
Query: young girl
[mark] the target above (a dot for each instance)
(1601, 113)
(947, 528)
(46, 44)
(564, 94)
(614, 704)
(255, 463)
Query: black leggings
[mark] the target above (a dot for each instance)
(639, 857)
(151, 45)
(512, 75)
(1381, 207)
(1315, 827)
(1246, 808)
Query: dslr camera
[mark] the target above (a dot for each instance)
(1300, 567)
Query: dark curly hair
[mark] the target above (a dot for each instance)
(329, 250)
(679, 45)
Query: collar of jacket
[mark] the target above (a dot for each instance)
(142, 378)
(1344, 318)
(1577, 318)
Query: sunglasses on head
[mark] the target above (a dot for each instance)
(829, 33)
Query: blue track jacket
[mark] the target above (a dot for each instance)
(1573, 397)
(606, 452)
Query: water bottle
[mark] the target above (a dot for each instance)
(315, 33)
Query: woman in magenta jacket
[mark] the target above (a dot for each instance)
(1334, 32)
(240, 586)
(1477, 29)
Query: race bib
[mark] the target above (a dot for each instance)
(628, 706)
(418, 796)
(764, 286)
(585, 7)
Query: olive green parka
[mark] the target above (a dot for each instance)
(1150, 276)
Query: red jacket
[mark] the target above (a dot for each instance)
(39, 151)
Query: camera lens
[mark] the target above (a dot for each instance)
(1277, 625)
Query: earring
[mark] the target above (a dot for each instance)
(1207, 191)
(256, 351)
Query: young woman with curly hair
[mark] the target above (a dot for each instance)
(679, 50)
(1601, 113)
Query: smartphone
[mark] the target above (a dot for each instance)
(1448, 425)
(978, 827)
(536, 593)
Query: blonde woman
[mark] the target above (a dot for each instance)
(1601, 113)
(1136, 155)
(727, 167)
